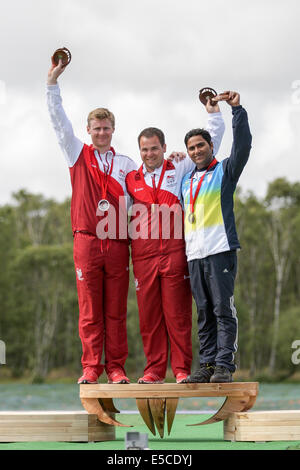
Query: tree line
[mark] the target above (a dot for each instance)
(38, 298)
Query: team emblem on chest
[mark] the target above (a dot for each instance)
(171, 179)
(122, 174)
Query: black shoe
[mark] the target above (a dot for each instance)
(202, 375)
(221, 374)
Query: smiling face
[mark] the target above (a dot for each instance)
(152, 152)
(101, 131)
(200, 151)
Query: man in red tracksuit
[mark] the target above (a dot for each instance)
(158, 255)
(101, 260)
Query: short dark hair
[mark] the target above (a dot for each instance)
(203, 132)
(151, 132)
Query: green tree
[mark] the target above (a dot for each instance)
(282, 201)
(252, 279)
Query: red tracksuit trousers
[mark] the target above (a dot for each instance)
(102, 286)
(165, 310)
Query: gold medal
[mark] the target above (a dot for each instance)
(192, 218)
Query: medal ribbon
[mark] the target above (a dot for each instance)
(155, 189)
(100, 177)
(193, 199)
(106, 173)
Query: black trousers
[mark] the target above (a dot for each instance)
(212, 282)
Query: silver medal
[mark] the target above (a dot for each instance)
(103, 205)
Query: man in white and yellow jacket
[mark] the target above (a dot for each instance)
(211, 242)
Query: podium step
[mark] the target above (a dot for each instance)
(56, 426)
(283, 425)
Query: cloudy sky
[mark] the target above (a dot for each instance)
(146, 61)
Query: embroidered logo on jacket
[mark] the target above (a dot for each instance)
(122, 174)
(171, 180)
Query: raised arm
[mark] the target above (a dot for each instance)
(69, 143)
(242, 138)
(215, 124)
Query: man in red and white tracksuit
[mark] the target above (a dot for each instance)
(158, 254)
(101, 259)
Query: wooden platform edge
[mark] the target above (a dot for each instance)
(168, 390)
(255, 426)
(53, 426)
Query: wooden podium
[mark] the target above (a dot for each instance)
(156, 404)
(155, 401)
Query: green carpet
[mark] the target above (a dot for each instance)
(182, 437)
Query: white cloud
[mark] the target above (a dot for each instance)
(146, 60)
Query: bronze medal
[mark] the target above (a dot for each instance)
(207, 93)
(64, 54)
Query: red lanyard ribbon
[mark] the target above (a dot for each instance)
(193, 199)
(106, 173)
(153, 192)
(155, 189)
(101, 177)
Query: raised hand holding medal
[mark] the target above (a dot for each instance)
(210, 98)
(207, 94)
(60, 59)
(62, 54)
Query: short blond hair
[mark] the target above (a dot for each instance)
(101, 113)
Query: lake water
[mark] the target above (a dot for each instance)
(15, 397)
